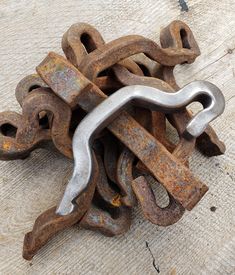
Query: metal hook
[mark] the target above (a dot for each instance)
(208, 94)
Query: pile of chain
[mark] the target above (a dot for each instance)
(55, 101)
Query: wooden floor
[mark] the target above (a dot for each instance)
(203, 242)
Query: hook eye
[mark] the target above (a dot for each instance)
(162, 216)
(184, 39)
(45, 119)
(27, 85)
(88, 42)
(80, 40)
(8, 130)
(10, 145)
(9, 124)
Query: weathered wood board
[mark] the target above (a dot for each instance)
(203, 242)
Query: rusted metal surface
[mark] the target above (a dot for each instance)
(27, 85)
(80, 40)
(142, 189)
(49, 223)
(148, 66)
(125, 177)
(107, 84)
(30, 132)
(111, 152)
(152, 212)
(206, 93)
(174, 211)
(135, 143)
(107, 224)
(158, 123)
(208, 142)
(125, 129)
(111, 53)
(179, 35)
(104, 189)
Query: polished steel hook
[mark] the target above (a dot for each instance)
(206, 93)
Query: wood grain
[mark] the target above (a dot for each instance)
(203, 242)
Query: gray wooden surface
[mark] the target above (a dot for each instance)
(203, 242)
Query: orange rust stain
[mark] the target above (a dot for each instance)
(141, 198)
(6, 145)
(116, 201)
